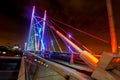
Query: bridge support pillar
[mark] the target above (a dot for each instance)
(108, 67)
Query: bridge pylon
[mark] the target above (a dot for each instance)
(35, 40)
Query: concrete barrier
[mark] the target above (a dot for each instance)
(21, 75)
(108, 67)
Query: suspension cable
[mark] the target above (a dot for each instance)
(88, 34)
(72, 37)
(50, 38)
(56, 40)
(61, 38)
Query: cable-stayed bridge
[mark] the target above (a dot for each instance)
(49, 43)
(53, 53)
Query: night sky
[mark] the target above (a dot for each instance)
(87, 15)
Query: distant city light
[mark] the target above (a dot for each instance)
(4, 52)
(15, 47)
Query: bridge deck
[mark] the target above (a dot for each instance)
(59, 70)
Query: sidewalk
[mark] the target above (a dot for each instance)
(79, 67)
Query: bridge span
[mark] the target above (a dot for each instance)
(40, 68)
(48, 44)
(53, 53)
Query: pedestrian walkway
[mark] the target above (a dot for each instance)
(55, 70)
(82, 67)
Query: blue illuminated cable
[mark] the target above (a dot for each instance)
(71, 37)
(40, 36)
(64, 40)
(61, 38)
(51, 40)
(56, 40)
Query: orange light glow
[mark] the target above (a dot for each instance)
(89, 58)
(111, 27)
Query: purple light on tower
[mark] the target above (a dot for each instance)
(43, 31)
(29, 47)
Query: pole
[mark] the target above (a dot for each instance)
(29, 36)
(111, 27)
(44, 19)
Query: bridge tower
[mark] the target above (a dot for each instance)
(35, 40)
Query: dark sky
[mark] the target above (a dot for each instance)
(86, 15)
